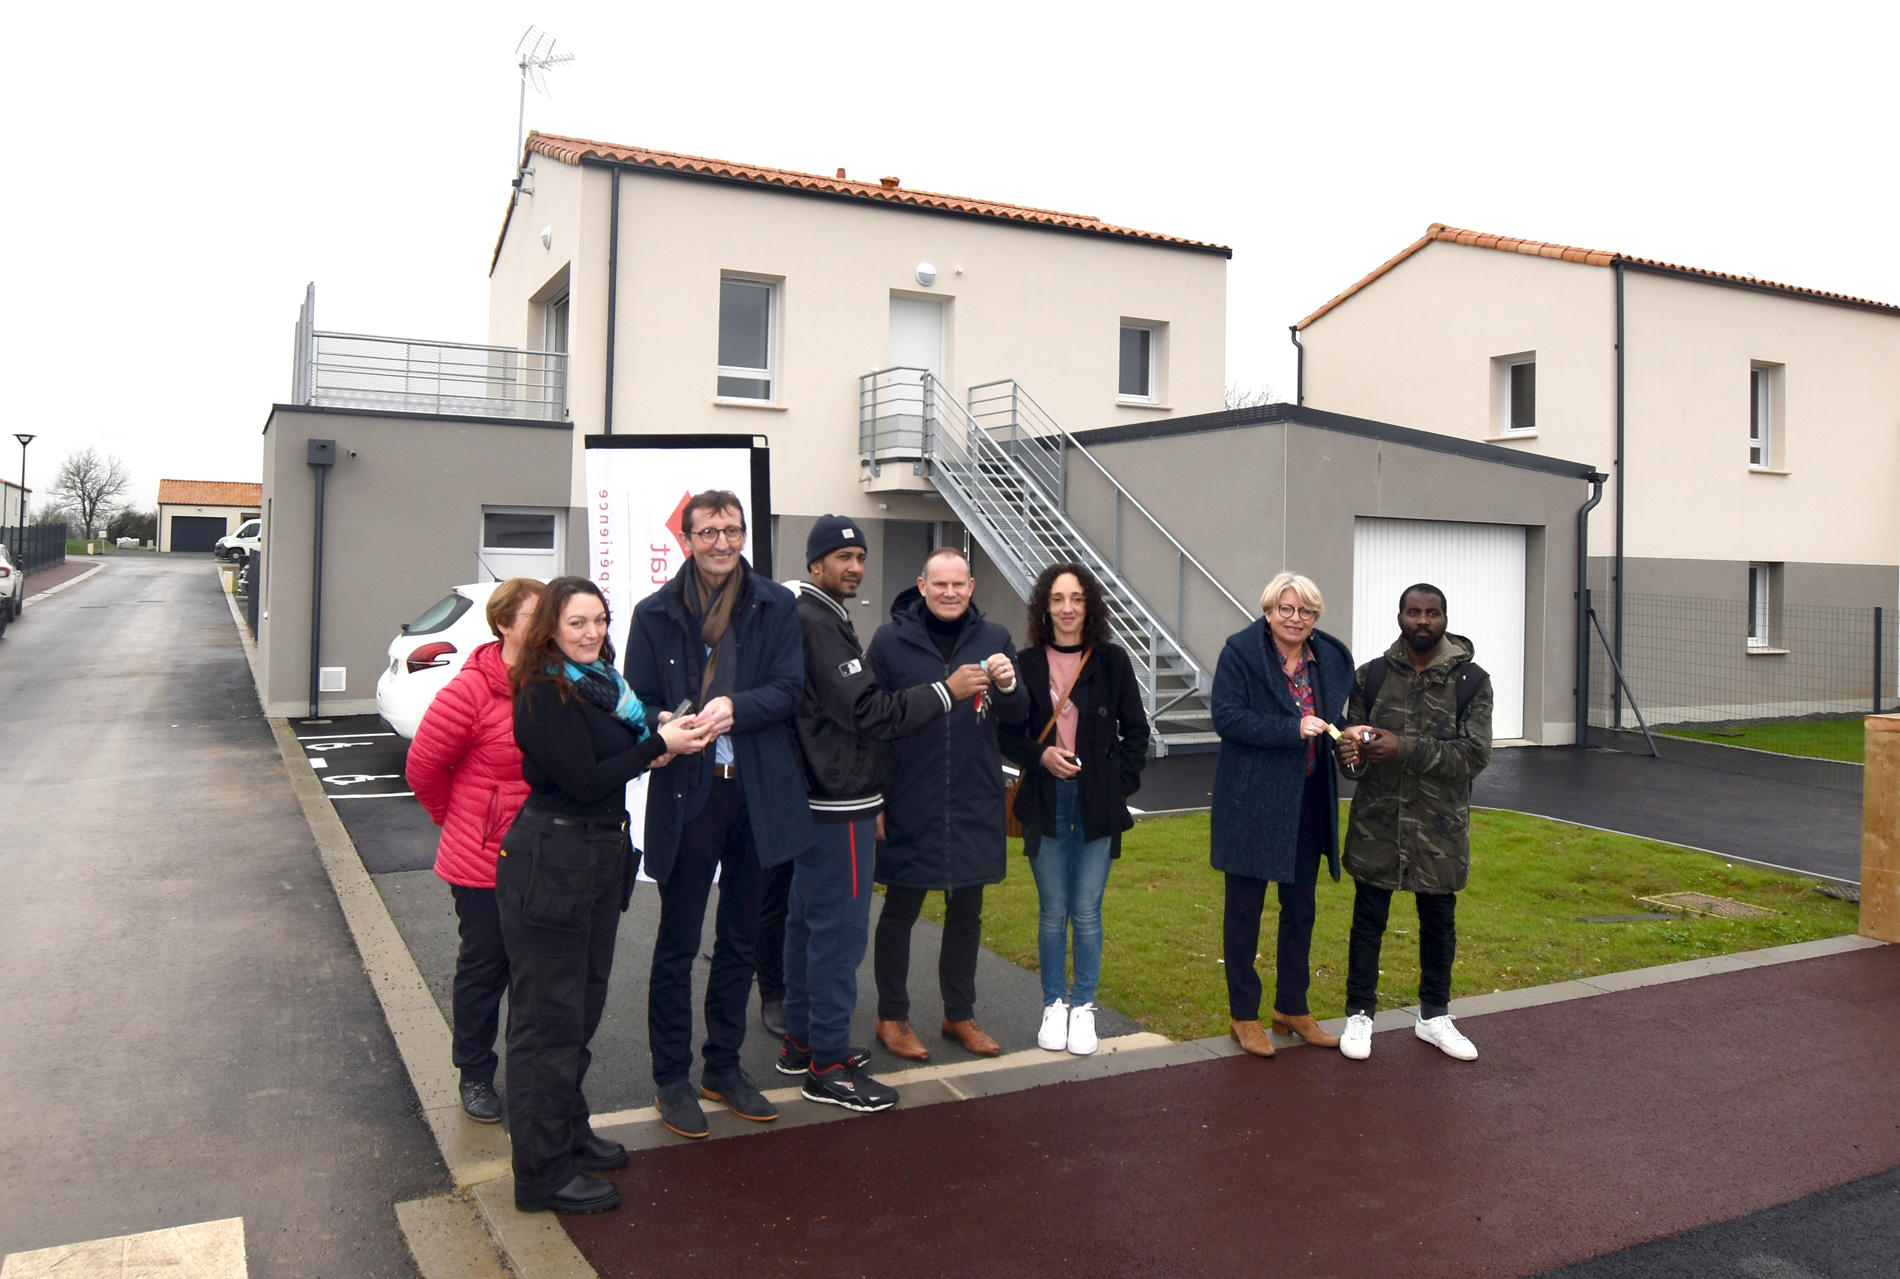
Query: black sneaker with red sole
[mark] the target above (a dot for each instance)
(847, 1085)
(796, 1060)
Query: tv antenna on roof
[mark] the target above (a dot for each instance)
(534, 57)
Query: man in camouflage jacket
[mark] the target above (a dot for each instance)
(1420, 719)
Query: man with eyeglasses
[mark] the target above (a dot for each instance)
(724, 642)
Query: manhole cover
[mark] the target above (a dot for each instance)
(1843, 892)
(1703, 904)
(1625, 919)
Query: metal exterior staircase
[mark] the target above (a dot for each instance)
(1003, 471)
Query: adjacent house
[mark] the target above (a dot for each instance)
(1750, 429)
(194, 514)
(13, 503)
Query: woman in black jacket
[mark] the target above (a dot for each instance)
(1081, 750)
(564, 875)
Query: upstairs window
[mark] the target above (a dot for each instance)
(1522, 409)
(1138, 363)
(747, 338)
(1761, 415)
(554, 327)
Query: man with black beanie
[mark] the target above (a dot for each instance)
(839, 733)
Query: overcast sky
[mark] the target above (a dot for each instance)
(180, 173)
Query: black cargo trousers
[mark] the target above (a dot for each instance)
(561, 884)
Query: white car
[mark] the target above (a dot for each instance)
(12, 589)
(428, 653)
(247, 538)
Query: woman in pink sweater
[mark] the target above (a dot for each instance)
(465, 768)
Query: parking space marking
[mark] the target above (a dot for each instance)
(394, 794)
(357, 779)
(324, 737)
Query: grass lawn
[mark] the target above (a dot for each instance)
(1817, 738)
(1530, 879)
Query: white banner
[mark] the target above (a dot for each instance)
(636, 497)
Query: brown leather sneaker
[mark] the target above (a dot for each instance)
(1306, 1028)
(900, 1041)
(1251, 1038)
(973, 1037)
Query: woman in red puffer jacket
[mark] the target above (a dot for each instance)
(465, 768)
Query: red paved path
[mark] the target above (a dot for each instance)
(1585, 1127)
(47, 578)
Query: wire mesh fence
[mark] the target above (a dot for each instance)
(1796, 683)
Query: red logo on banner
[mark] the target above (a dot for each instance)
(677, 520)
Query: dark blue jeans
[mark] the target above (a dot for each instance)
(827, 924)
(1071, 876)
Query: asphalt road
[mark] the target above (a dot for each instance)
(189, 1032)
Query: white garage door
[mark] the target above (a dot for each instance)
(1480, 567)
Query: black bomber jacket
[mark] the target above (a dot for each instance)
(844, 718)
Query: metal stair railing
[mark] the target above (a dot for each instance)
(1003, 495)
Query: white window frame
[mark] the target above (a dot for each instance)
(1504, 423)
(1153, 329)
(558, 304)
(1762, 379)
(560, 534)
(769, 374)
(1761, 607)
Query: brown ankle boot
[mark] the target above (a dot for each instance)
(1252, 1039)
(900, 1041)
(1306, 1028)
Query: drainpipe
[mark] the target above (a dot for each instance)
(613, 299)
(321, 455)
(1595, 479)
(1299, 368)
(1616, 692)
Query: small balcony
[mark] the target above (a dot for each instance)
(357, 371)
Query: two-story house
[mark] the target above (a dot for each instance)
(1751, 430)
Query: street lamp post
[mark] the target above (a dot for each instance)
(20, 546)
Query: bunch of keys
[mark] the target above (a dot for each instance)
(983, 695)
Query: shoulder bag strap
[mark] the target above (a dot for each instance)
(1062, 705)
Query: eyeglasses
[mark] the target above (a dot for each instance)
(1288, 612)
(711, 536)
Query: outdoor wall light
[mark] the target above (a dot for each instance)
(926, 274)
(547, 237)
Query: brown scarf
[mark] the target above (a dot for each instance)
(714, 616)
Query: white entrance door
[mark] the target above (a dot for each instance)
(519, 541)
(916, 343)
(1480, 567)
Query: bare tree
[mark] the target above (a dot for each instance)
(90, 485)
(1247, 397)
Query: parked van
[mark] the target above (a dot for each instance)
(233, 545)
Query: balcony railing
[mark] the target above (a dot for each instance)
(354, 370)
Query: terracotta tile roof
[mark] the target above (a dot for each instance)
(1589, 257)
(884, 191)
(209, 493)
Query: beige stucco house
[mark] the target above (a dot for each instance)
(696, 295)
(1750, 430)
(1753, 416)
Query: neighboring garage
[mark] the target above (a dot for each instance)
(414, 504)
(194, 514)
(1365, 509)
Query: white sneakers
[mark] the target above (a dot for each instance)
(1440, 1033)
(1356, 1043)
(1066, 1027)
(1054, 1035)
(1082, 1029)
